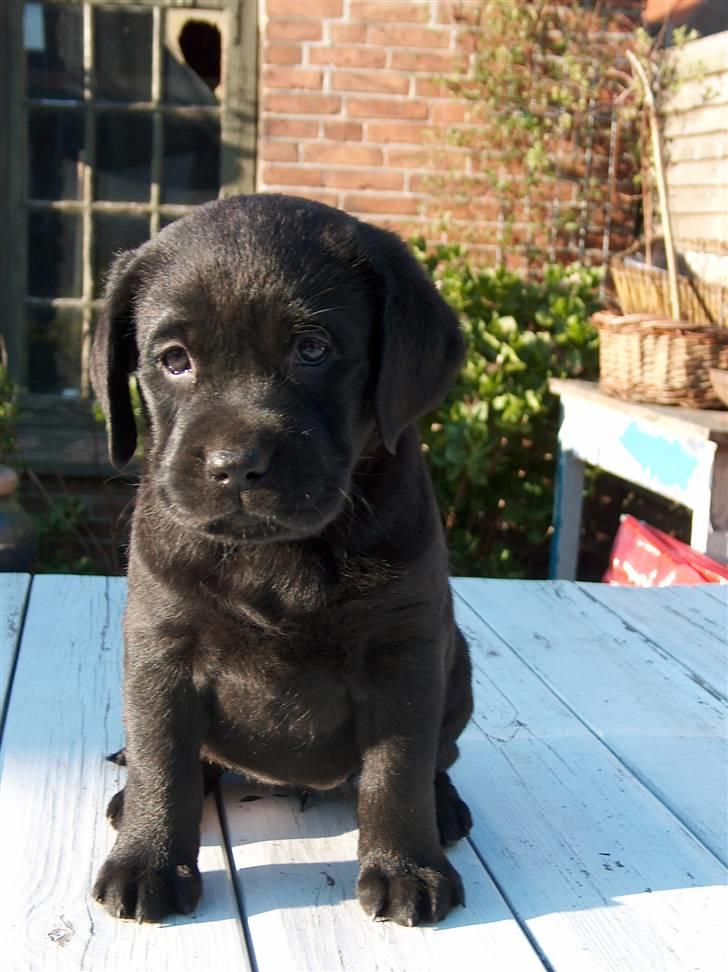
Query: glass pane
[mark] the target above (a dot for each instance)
(191, 160)
(53, 38)
(192, 58)
(54, 254)
(54, 350)
(167, 220)
(112, 233)
(56, 152)
(123, 156)
(123, 55)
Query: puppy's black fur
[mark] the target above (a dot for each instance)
(289, 614)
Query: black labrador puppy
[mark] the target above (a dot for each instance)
(289, 614)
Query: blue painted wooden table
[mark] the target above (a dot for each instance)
(679, 453)
(594, 766)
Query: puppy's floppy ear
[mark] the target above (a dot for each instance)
(114, 357)
(420, 344)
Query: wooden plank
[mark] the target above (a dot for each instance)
(602, 874)
(567, 509)
(699, 172)
(695, 422)
(706, 54)
(698, 146)
(671, 462)
(680, 620)
(700, 199)
(707, 226)
(664, 726)
(717, 591)
(13, 592)
(64, 717)
(709, 118)
(297, 874)
(710, 89)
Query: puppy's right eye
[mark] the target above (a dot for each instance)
(176, 361)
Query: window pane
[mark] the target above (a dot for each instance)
(123, 156)
(167, 220)
(191, 160)
(54, 254)
(56, 153)
(192, 58)
(123, 55)
(54, 358)
(111, 234)
(54, 51)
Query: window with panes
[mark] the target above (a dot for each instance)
(131, 114)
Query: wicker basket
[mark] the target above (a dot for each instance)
(659, 360)
(643, 289)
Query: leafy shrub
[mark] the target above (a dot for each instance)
(491, 446)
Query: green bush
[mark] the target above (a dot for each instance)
(491, 446)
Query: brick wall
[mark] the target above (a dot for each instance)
(348, 102)
(351, 114)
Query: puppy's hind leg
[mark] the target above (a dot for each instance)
(453, 816)
(211, 773)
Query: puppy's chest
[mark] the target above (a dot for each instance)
(295, 686)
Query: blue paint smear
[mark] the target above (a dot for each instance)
(663, 459)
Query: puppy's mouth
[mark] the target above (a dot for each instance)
(255, 524)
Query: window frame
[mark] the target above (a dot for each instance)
(55, 415)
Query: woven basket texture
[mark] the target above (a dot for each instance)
(655, 359)
(646, 290)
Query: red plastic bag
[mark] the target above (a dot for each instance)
(643, 556)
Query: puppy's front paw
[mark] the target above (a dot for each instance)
(128, 886)
(409, 893)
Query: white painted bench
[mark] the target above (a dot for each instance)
(595, 767)
(679, 453)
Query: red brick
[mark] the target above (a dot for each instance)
(290, 175)
(295, 30)
(301, 104)
(343, 130)
(282, 54)
(342, 153)
(458, 11)
(362, 179)
(409, 158)
(290, 127)
(449, 113)
(408, 133)
(348, 33)
(279, 151)
(426, 88)
(408, 37)
(383, 81)
(377, 203)
(304, 8)
(361, 57)
(386, 108)
(429, 61)
(282, 77)
(328, 196)
(406, 228)
(389, 10)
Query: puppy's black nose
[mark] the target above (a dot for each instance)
(240, 470)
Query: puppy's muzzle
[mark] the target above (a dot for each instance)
(239, 471)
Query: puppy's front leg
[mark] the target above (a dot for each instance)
(404, 875)
(152, 868)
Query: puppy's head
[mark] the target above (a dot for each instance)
(272, 339)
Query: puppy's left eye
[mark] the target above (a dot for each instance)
(176, 361)
(311, 350)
